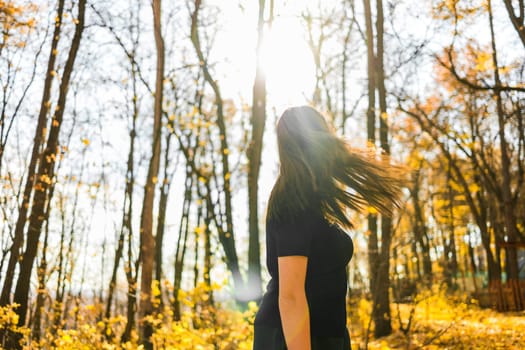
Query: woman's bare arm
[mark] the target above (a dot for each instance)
(293, 305)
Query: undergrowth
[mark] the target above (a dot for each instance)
(434, 320)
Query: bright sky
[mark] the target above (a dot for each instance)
(287, 60)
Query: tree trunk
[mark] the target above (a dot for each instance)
(226, 236)
(415, 254)
(208, 254)
(254, 291)
(113, 281)
(196, 247)
(471, 262)
(420, 230)
(147, 246)
(57, 309)
(345, 115)
(161, 221)
(382, 319)
(452, 260)
(42, 290)
(493, 263)
(180, 251)
(159, 238)
(128, 214)
(518, 21)
(371, 132)
(30, 180)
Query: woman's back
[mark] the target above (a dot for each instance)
(329, 250)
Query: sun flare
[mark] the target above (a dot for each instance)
(288, 64)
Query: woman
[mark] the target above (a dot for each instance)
(320, 179)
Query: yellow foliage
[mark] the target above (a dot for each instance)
(202, 326)
(15, 20)
(484, 61)
(200, 229)
(9, 323)
(8, 318)
(440, 321)
(372, 210)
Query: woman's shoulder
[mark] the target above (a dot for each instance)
(299, 216)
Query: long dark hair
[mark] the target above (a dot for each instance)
(319, 170)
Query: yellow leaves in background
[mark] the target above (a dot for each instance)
(194, 111)
(85, 141)
(202, 326)
(431, 104)
(364, 310)
(440, 320)
(450, 9)
(484, 62)
(9, 321)
(155, 293)
(199, 230)
(384, 345)
(192, 120)
(371, 210)
(8, 317)
(15, 20)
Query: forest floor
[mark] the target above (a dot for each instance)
(444, 323)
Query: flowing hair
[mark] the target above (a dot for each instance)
(320, 170)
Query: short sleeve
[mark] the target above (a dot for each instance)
(294, 237)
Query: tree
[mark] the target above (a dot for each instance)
(506, 186)
(124, 252)
(382, 319)
(46, 173)
(485, 79)
(33, 163)
(15, 23)
(226, 234)
(258, 122)
(518, 20)
(147, 242)
(378, 257)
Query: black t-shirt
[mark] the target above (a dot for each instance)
(329, 249)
